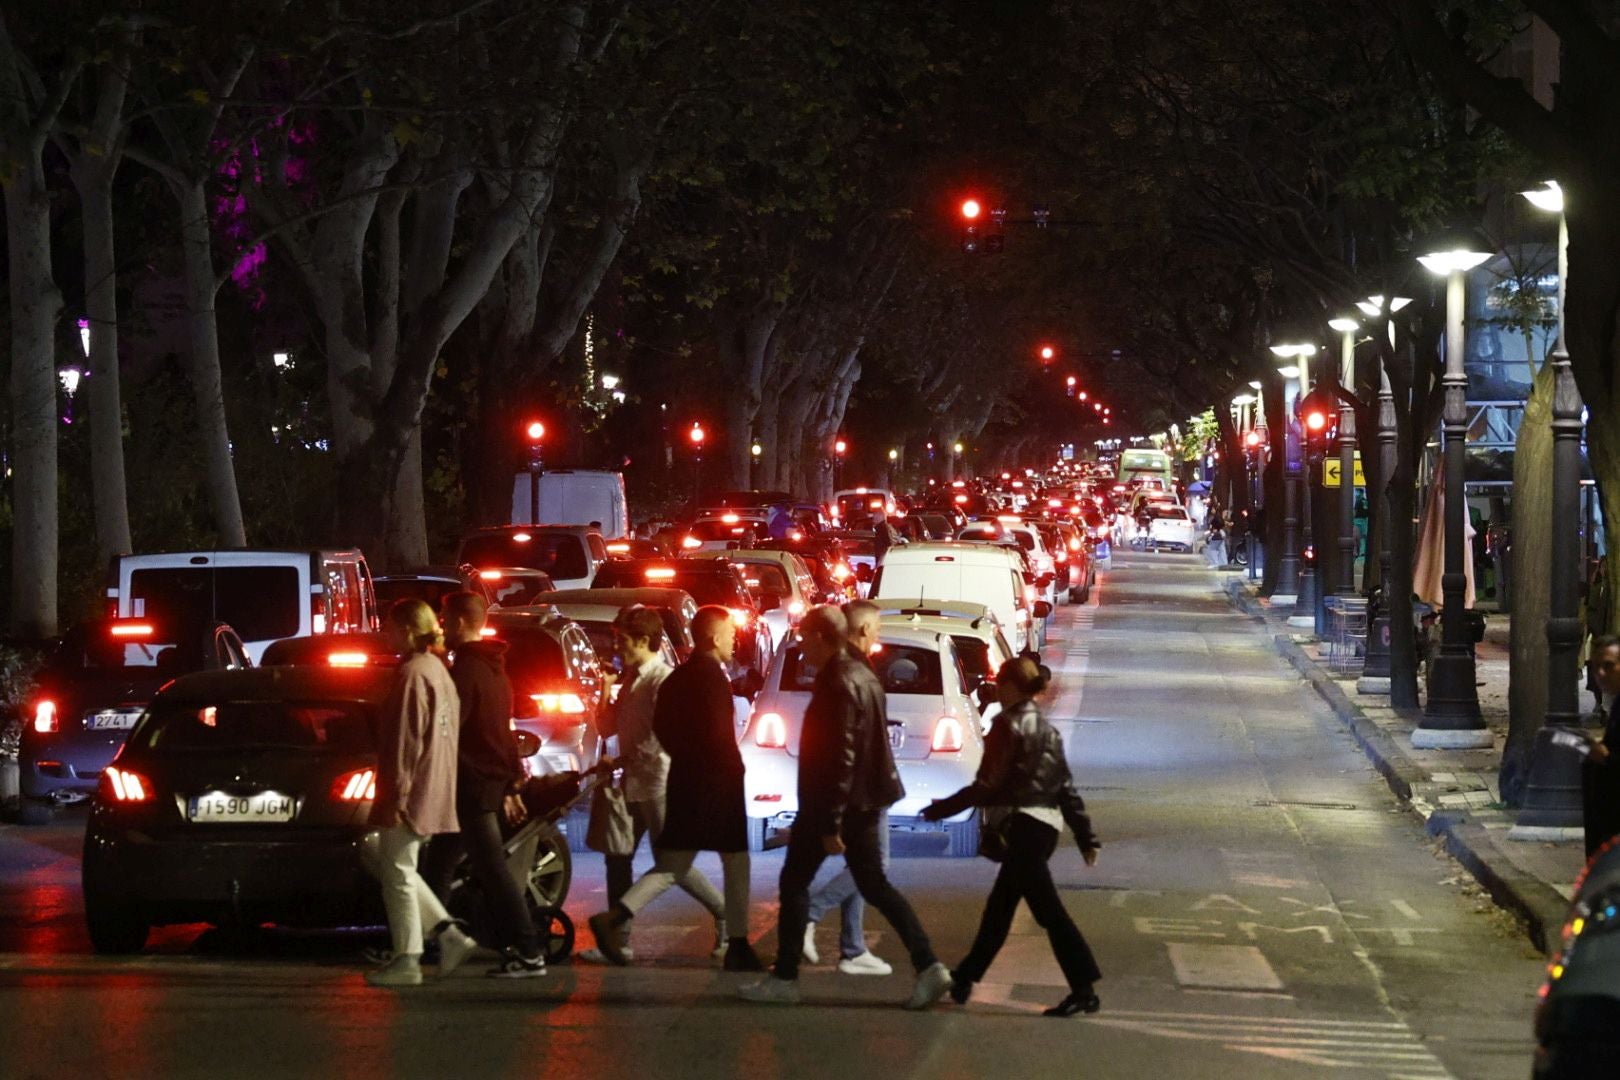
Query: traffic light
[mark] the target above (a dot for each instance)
(1253, 440)
(971, 240)
(1318, 420)
(535, 433)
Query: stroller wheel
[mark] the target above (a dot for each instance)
(559, 933)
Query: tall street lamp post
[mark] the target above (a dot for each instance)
(1552, 806)
(1375, 672)
(1451, 716)
(1297, 501)
(1287, 594)
(1345, 587)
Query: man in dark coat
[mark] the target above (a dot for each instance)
(847, 778)
(704, 803)
(1600, 774)
(489, 774)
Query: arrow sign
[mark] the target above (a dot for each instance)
(1333, 473)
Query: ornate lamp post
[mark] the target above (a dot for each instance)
(1375, 672)
(1293, 570)
(1346, 585)
(1451, 716)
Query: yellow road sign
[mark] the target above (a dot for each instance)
(1333, 473)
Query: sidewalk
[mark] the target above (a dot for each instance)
(1454, 791)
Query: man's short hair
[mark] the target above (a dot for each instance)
(707, 622)
(1604, 641)
(825, 620)
(859, 612)
(640, 621)
(468, 606)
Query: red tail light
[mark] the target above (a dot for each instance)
(770, 731)
(487, 631)
(357, 786)
(130, 631)
(348, 659)
(1074, 543)
(840, 571)
(742, 617)
(948, 735)
(566, 702)
(1060, 555)
(121, 785)
(691, 543)
(45, 716)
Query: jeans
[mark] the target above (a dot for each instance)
(647, 819)
(1025, 876)
(480, 840)
(841, 893)
(1215, 552)
(672, 868)
(410, 904)
(862, 855)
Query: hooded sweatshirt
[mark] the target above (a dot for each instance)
(488, 757)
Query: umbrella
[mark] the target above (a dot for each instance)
(1198, 487)
(1431, 551)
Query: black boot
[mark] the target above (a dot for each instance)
(740, 956)
(961, 987)
(1083, 1001)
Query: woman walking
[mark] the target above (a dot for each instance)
(1026, 794)
(416, 793)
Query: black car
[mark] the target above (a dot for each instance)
(91, 691)
(429, 583)
(710, 581)
(239, 797)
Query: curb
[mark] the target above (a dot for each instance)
(1537, 905)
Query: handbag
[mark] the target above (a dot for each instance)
(993, 841)
(610, 830)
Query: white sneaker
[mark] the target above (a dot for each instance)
(402, 970)
(454, 947)
(596, 956)
(931, 986)
(865, 964)
(811, 956)
(770, 991)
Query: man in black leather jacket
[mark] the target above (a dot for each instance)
(847, 778)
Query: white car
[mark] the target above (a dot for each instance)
(933, 729)
(980, 645)
(779, 582)
(725, 531)
(1170, 527)
(983, 573)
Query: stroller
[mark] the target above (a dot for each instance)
(537, 856)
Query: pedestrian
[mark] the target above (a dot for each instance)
(847, 778)
(1026, 794)
(489, 782)
(855, 958)
(1215, 544)
(704, 803)
(884, 536)
(645, 767)
(1600, 774)
(416, 794)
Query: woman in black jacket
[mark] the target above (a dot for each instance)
(1026, 794)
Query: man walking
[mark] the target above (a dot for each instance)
(489, 775)
(636, 633)
(846, 779)
(703, 796)
(855, 958)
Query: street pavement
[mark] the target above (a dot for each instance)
(1262, 908)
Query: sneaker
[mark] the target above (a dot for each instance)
(609, 938)
(400, 971)
(740, 956)
(720, 941)
(454, 947)
(932, 985)
(865, 964)
(811, 956)
(770, 991)
(514, 965)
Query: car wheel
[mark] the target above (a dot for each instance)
(964, 837)
(114, 930)
(35, 812)
(758, 830)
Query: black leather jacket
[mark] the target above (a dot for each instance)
(845, 762)
(1023, 765)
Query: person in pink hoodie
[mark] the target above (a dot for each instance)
(416, 793)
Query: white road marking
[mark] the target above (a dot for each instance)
(1222, 967)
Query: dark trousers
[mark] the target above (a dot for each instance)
(864, 857)
(1026, 876)
(480, 840)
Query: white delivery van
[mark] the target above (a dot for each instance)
(574, 497)
(264, 594)
(980, 573)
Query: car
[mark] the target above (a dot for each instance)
(264, 594)
(710, 581)
(1170, 527)
(982, 573)
(571, 554)
(1041, 560)
(675, 606)
(515, 586)
(557, 686)
(853, 508)
(428, 583)
(980, 645)
(779, 582)
(860, 553)
(94, 684)
(719, 532)
(834, 580)
(597, 619)
(594, 497)
(934, 730)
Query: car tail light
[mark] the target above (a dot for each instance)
(130, 631)
(45, 716)
(660, 573)
(1029, 594)
(742, 617)
(770, 731)
(565, 702)
(618, 547)
(840, 571)
(489, 575)
(317, 613)
(487, 631)
(348, 659)
(121, 785)
(357, 786)
(1061, 555)
(1074, 543)
(796, 608)
(948, 737)
(691, 543)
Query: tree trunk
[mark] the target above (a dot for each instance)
(35, 306)
(1532, 598)
(93, 178)
(196, 238)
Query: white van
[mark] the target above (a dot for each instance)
(264, 594)
(575, 497)
(980, 573)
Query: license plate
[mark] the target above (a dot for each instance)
(261, 806)
(112, 719)
(897, 736)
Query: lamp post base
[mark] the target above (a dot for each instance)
(1425, 738)
(1451, 719)
(1373, 684)
(1552, 793)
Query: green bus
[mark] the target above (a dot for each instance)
(1146, 465)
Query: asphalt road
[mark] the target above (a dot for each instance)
(1262, 909)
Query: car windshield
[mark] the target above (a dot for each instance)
(344, 726)
(562, 555)
(903, 669)
(262, 603)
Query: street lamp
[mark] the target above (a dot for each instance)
(1293, 571)
(1552, 805)
(534, 432)
(1451, 717)
(1375, 666)
(1347, 327)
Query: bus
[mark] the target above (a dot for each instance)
(1146, 465)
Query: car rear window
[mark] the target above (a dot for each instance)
(262, 603)
(431, 590)
(708, 585)
(716, 531)
(343, 726)
(516, 590)
(903, 669)
(766, 578)
(1171, 512)
(534, 658)
(562, 555)
(975, 656)
(94, 648)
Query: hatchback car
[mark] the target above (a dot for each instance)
(710, 581)
(1169, 527)
(570, 554)
(557, 686)
(779, 582)
(934, 730)
(91, 691)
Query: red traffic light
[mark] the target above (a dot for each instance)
(1047, 352)
(1316, 420)
(840, 446)
(535, 430)
(971, 209)
(1252, 440)
(697, 435)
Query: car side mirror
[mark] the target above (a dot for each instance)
(1042, 609)
(528, 743)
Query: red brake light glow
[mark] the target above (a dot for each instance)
(487, 631)
(770, 731)
(357, 786)
(690, 543)
(129, 630)
(521, 538)
(348, 659)
(742, 617)
(661, 573)
(45, 716)
(948, 736)
(489, 575)
(568, 703)
(125, 786)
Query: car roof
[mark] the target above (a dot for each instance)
(964, 552)
(283, 683)
(649, 596)
(950, 609)
(984, 629)
(783, 559)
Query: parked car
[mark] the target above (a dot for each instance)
(982, 573)
(570, 554)
(428, 583)
(709, 581)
